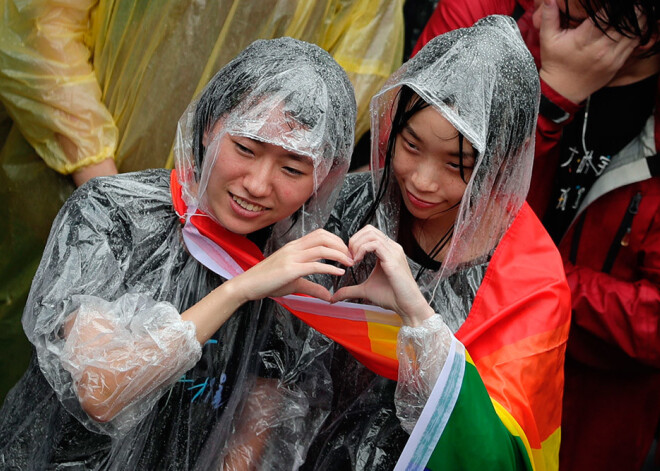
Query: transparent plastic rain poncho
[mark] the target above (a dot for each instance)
(483, 81)
(114, 77)
(106, 301)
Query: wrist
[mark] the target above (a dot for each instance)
(417, 316)
(213, 310)
(104, 168)
(565, 86)
(234, 292)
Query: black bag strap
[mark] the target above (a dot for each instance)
(518, 12)
(624, 229)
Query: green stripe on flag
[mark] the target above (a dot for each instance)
(475, 438)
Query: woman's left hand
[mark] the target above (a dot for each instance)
(391, 284)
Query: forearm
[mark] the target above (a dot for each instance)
(104, 168)
(422, 352)
(253, 426)
(115, 363)
(122, 354)
(49, 87)
(620, 312)
(212, 311)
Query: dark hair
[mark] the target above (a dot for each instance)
(409, 103)
(213, 103)
(218, 100)
(621, 15)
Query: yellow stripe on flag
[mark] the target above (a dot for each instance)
(383, 339)
(383, 329)
(549, 452)
(516, 430)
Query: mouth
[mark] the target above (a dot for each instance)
(419, 203)
(247, 205)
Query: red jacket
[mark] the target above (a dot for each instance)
(612, 377)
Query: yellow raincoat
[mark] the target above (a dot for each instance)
(85, 80)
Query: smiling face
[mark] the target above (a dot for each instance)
(254, 184)
(426, 166)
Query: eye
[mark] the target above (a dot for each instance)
(409, 145)
(293, 171)
(243, 149)
(457, 166)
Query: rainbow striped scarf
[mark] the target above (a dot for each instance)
(504, 396)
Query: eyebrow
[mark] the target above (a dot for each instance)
(412, 132)
(300, 158)
(466, 153)
(289, 154)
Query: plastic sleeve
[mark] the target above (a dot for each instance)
(121, 355)
(48, 84)
(107, 355)
(422, 352)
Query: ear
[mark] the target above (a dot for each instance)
(652, 41)
(213, 131)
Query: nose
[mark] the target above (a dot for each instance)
(258, 178)
(425, 178)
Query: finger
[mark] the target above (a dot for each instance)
(623, 52)
(550, 24)
(364, 236)
(587, 32)
(312, 289)
(612, 35)
(624, 47)
(641, 19)
(321, 246)
(366, 231)
(614, 49)
(349, 292)
(319, 268)
(322, 237)
(326, 253)
(311, 268)
(386, 250)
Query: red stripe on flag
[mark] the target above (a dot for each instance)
(354, 336)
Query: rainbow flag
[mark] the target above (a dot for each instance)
(507, 391)
(505, 410)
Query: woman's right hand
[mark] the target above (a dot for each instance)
(391, 284)
(278, 275)
(282, 272)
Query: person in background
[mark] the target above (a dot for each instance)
(596, 187)
(416, 14)
(92, 87)
(143, 349)
(440, 233)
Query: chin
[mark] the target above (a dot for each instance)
(244, 229)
